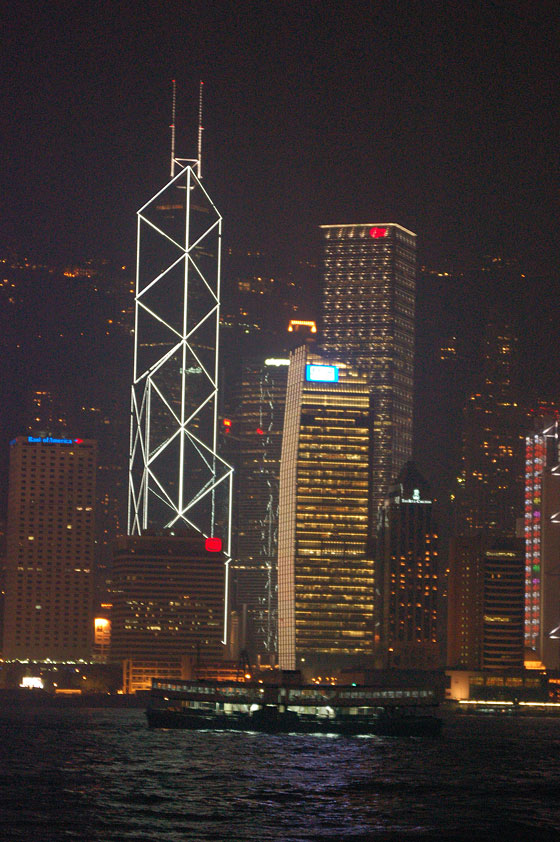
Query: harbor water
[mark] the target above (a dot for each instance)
(101, 774)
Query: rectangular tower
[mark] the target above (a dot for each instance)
(491, 485)
(177, 478)
(325, 573)
(257, 433)
(168, 599)
(50, 543)
(465, 605)
(407, 575)
(368, 321)
(542, 546)
(502, 622)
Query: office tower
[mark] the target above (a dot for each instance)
(256, 436)
(168, 596)
(177, 477)
(325, 572)
(368, 321)
(50, 545)
(542, 545)
(491, 485)
(406, 574)
(502, 622)
(485, 616)
(465, 604)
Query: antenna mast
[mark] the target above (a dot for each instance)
(199, 152)
(172, 127)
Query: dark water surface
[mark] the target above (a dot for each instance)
(102, 775)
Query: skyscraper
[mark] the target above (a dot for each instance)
(325, 571)
(491, 485)
(50, 546)
(465, 605)
(167, 604)
(542, 545)
(368, 321)
(502, 622)
(256, 434)
(406, 574)
(177, 477)
(485, 618)
(489, 505)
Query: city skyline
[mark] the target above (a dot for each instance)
(203, 668)
(456, 297)
(443, 122)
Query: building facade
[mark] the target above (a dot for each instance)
(256, 436)
(168, 600)
(177, 478)
(502, 626)
(368, 313)
(50, 549)
(486, 593)
(542, 546)
(325, 568)
(406, 575)
(465, 605)
(492, 481)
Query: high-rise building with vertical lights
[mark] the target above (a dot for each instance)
(368, 321)
(542, 545)
(177, 477)
(50, 547)
(325, 569)
(406, 574)
(256, 436)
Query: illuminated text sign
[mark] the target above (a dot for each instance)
(321, 373)
(51, 440)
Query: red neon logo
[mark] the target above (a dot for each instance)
(213, 545)
(78, 441)
(260, 432)
(377, 232)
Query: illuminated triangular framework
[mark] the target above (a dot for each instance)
(176, 475)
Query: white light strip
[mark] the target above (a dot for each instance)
(211, 471)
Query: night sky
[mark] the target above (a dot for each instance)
(441, 116)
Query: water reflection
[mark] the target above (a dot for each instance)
(102, 775)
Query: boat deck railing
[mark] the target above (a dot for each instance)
(303, 696)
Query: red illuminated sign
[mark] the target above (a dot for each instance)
(213, 545)
(377, 232)
(260, 432)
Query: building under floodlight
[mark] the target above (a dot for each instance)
(325, 571)
(178, 479)
(369, 281)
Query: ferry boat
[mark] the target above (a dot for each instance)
(305, 709)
